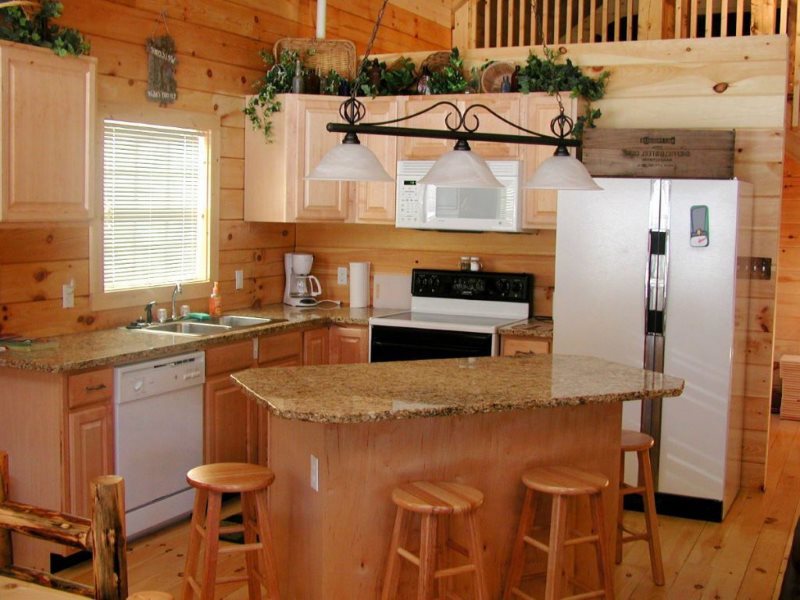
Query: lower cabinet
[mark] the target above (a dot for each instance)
(512, 345)
(348, 344)
(316, 346)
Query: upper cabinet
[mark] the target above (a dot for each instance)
(506, 105)
(375, 202)
(47, 108)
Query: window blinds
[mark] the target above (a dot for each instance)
(155, 205)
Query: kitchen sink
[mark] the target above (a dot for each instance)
(237, 321)
(187, 328)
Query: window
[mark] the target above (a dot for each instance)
(155, 205)
(157, 227)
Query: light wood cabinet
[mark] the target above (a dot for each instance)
(275, 171)
(90, 435)
(375, 202)
(506, 105)
(538, 110)
(511, 345)
(281, 350)
(349, 345)
(47, 108)
(315, 346)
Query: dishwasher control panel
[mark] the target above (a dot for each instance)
(169, 374)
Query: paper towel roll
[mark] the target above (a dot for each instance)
(359, 284)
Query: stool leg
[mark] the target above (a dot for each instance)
(476, 555)
(269, 565)
(651, 518)
(427, 557)
(442, 539)
(399, 538)
(193, 551)
(249, 521)
(604, 571)
(620, 509)
(211, 544)
(555, 556)
(518, 551)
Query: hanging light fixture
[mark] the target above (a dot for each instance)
(350, 161)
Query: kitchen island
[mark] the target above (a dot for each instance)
(480, 421)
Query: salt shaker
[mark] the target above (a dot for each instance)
(464, 263)
(475, 264)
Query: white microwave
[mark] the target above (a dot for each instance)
(460, 209)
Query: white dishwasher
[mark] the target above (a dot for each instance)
(158, 436)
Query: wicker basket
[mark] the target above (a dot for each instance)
(325, 55)
(492, 77)
(435, 62)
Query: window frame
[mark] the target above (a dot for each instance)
(151, 115)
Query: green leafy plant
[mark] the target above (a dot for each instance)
(450, 79)
(277, 80)
(17, 26)
(331, 83)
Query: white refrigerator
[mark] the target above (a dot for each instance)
(646, 275)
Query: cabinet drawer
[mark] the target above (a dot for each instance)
(90, 387)
(230, 357)
(276, 347)
(525, 345)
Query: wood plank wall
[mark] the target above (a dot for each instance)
(653, 84)
(218, 43)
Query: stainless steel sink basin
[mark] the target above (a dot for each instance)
(237, 321)
(187, 328)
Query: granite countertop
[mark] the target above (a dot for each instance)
(118, 346)
(535, 327)
(397, 390)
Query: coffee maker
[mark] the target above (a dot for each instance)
(301, 287)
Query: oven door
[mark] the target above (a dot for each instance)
(409, 343)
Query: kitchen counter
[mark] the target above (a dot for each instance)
(397, 390)
(118, 346)
(535, 327)
(365, 429)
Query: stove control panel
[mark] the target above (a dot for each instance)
(472, 285)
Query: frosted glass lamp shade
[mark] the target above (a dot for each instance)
(461, 168)
(561, 172)
(349, 161)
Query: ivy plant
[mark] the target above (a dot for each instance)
(36, 30)
(277, 80)
(450, 79)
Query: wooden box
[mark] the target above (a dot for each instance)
(674, 153)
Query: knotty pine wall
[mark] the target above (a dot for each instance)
(218, 43)
(653, 84)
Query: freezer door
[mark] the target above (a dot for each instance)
(601, 261)
(699, 342)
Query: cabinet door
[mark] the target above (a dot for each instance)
(227, 423)
(319, 200)
(91, 452)
(508, 107)
(282, 350)
(409, 148)
(315, 346)
(375, 202)
(47, 135)
(349, 345)
(539, 206)
(512, 345)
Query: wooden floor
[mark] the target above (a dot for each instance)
(742, 558)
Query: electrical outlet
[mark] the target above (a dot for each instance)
(239, 274)
(314, 473)
(341, 276)
(68, 294)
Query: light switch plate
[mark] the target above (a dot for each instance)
(239, 274)
(68, 294)
(341, 276)
(314, 473)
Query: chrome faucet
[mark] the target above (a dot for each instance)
(178, 289)
(148, 311)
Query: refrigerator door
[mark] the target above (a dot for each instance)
(601, 261)
(699, 341)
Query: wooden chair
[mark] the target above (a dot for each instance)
(103, 535)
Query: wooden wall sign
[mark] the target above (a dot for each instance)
(676, 153)
(161, 62)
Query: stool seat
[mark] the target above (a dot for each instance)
(564, 481)
(634, 441)
(150, 596)
(230, 477)
(437, 498)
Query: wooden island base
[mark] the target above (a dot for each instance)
(332, 543)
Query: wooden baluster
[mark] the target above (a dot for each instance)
(604, 21)
(692, 19)
(709, 17)
(629, 20)
(568, 28)
(723, 27)
(557, 21)
(739, 17)
(784, 17)
(580, 36)
(545, 14)
(498, 21)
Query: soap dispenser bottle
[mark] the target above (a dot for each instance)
(215, 301)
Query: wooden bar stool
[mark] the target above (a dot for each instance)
(561, 483)
(210, 482)
(432, 500)
(634, 441)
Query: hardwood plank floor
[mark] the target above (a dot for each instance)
(742, 558)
